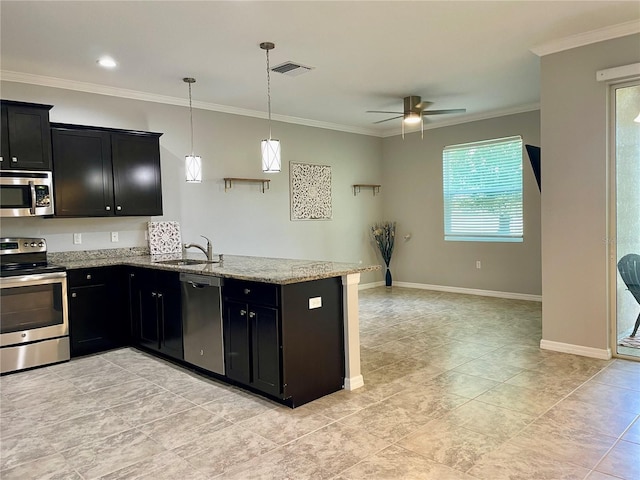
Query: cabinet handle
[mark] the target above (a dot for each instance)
(74, 294)
(14, 159)
(107, 208)
(243, 313)
(247, 291)
(88, 276)
(252, 314)
(118, 208)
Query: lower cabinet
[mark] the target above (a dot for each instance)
(97, 319)
(252, 345)
(156, 312)
(285, 340)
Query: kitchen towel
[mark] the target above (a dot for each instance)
(164, 237)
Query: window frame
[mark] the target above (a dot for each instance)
(498, 193)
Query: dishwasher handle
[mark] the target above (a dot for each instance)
(200, 281)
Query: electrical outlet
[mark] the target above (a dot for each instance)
(478, 264)
(114, 236)
(77, 238)
(315, 302)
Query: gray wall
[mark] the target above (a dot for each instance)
(242, 220)
(412, 173)
(574, 111)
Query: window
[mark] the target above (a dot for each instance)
(483, 191)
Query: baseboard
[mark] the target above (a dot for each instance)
(471, 291)
(603, 354)
(353, 382)
(366, 286)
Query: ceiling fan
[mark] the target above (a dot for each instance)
(414, 111)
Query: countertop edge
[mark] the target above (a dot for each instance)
(278, 271)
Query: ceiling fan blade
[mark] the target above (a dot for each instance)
(440, 112)
(382, 111)
(393, 118)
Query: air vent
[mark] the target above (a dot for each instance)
(291, 69)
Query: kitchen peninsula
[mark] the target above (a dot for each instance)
(306, 298)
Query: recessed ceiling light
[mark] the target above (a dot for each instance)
(107, 62)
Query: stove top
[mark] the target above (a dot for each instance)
(25, 256)
(35, 270)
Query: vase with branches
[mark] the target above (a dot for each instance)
(384, 234)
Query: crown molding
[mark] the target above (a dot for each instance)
(587, 38)
(467, 118)
(55, 82)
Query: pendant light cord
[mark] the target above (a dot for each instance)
(191, 119)
(269, 92)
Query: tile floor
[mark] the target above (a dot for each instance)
(456, 388)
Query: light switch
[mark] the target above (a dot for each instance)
(77, 238)
(315, 302)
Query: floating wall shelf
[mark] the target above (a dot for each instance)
(374, 188)
(228, 182)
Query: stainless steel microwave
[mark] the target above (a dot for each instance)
(25, 194)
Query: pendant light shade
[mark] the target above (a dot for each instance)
(192, 163)
(270, 155)
(270, 147)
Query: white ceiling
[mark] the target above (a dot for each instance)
(366, 55)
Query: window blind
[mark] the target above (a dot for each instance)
(482, 185)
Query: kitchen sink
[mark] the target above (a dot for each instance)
(184, 261)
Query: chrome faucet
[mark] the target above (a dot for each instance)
(208, 252)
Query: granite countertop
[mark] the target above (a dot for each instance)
(280, 271)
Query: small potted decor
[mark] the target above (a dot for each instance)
(384, 234)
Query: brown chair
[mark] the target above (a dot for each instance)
(629, 268)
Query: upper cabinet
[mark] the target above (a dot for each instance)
(25, 136)
(100, 172)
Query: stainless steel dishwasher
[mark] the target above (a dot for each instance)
(202, 321)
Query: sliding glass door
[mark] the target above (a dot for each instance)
(626, 130)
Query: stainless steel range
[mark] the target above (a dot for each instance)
(34, 324)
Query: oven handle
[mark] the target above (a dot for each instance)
(32, 186)
(33, 279)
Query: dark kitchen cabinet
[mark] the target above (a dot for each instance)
(252, 345)
(97, 320)
(285, 340)
(156, 311)
(100, 172)
(25, 141)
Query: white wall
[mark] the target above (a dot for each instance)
(574, 111)
(412, 173)
(241, 221)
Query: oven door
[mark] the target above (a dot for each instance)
(33, 307)
(25, 194)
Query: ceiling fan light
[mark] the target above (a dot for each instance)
(412, 118)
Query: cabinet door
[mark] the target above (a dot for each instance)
(237, 341)
(170, 314)
(89, 319)
(83, 183)
(136, 174)
(5, 160)
(29, 139)
(147, 304)
(96, 310)
(265, 341)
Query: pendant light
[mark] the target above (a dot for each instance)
(192, 163)
(270, 147)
